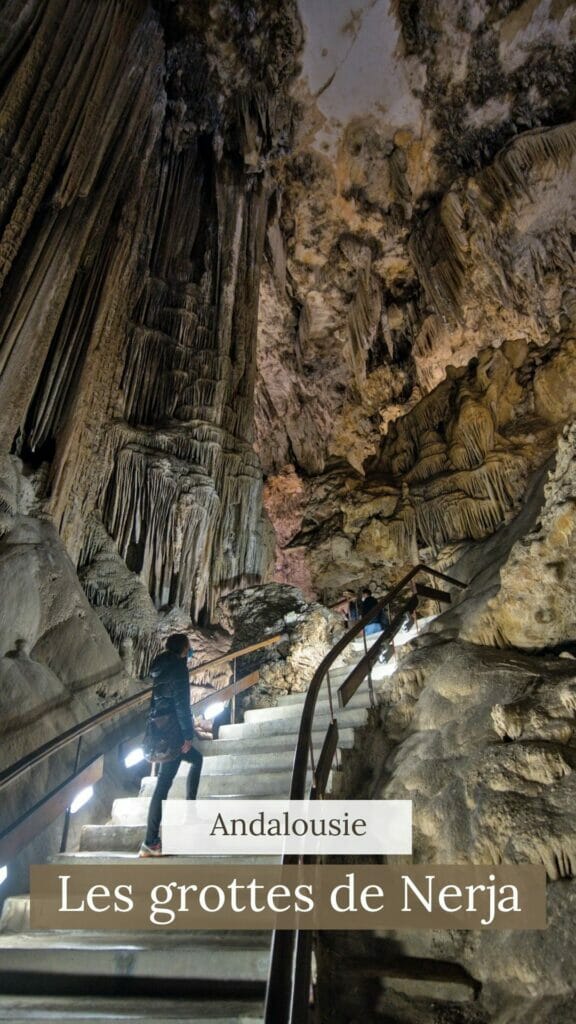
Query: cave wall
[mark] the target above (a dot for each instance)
(139, 140)
(425, 218)
(196, 234)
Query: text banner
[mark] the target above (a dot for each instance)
(306, 827)
(147, 895)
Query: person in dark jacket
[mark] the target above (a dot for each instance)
(171, 694)
(368, 603)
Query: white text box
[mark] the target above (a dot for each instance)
(330, 827)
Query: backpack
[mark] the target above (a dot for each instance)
(162, 737)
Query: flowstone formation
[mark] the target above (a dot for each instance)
(426, 215)
(535, 606)
(133, 209)
(57, 662)
(452, 470)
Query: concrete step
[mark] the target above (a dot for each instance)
(294, 710)
(15, 915)
(95, 1009)
(121, 839)
(210, 957)
(129, 811)
(83, 857)
(278, 726)
(117, 843)
(268, 784)
(243, 762)
(272, 744)
(380, 671)
(132, 811)
(336, 678)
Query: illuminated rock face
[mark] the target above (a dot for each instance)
(308, 631)
(454, 469)
(535, 606)
(426, 215)
(57, 663)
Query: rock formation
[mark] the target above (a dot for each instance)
(57, 662)
(370, 243)
(288, 304)
(133, 210)
(430, 227)
(308, 631)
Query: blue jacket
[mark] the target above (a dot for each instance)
(171, 691)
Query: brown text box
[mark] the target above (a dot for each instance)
(345, 896)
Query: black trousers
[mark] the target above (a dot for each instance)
(165, 779)
(224, 718)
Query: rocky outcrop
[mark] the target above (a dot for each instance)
(57, 662)
(308, 631)
(454, 469)
(482, 742)
(535, 606)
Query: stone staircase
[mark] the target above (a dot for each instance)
(150, 976)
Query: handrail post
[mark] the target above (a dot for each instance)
(415, 592)
(330, 705)
(312, 764)
(66, 825)
(370, 683)
(233, 711)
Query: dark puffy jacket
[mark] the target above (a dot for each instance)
(171, 690)
(368, 604)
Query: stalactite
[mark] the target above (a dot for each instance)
(471, 435)
(363, 319)
(469, 229)
(510, 174)
(438, 250)
(65, 84)
(120, 597)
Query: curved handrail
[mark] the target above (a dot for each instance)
(126, 704)
(297, 790)
(289, 974)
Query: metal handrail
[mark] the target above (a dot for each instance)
(33, 821)
(127, 704)
(289, 974)
(298, 786)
